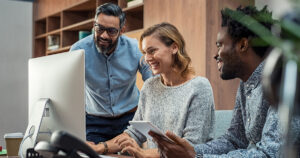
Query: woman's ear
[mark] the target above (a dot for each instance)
(174, 47)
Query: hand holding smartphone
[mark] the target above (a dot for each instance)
(145, 126)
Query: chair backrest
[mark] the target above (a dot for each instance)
(222, 122)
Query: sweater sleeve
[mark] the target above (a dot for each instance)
(138, 116)
(200, 119)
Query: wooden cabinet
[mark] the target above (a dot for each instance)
(65, 24)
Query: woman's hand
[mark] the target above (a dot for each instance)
(128, 144)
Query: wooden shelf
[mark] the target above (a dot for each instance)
(47, 34)
(41, 36)
(56, 32)
(39, 47)
(134, 17)
(135, 34)
(73, 17)
(53, 22)
(60, 50)
(99, 2)
(76, 17)
(83, 5)
(84, 25)
(40, 27)
(136, 8)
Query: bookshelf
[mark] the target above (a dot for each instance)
(66, 23)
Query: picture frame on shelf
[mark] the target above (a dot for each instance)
(53, 42)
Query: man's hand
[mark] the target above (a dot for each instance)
(181, 148)
(99, 148)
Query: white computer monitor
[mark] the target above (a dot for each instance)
(57, 81)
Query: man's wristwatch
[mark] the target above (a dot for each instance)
(105, 148)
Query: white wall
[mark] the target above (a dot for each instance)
(278, 7)
(15, 50)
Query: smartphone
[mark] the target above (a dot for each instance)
(145, 126)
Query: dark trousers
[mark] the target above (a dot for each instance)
(99, 129)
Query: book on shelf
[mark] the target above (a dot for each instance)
(53, 42)
(54, 47)
(83, 34)
(134, 2)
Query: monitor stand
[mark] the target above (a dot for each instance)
(40, 110)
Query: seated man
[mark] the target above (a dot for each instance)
(254, 129)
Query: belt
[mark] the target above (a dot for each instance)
(114, 117)
(128, 112)
(132, 110)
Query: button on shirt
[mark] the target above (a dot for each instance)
(110, 81)
(249, 134)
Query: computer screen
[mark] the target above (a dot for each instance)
(59, 78)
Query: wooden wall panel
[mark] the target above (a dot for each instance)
(189, 17)
(49, 7)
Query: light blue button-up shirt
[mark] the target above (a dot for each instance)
(110, 81)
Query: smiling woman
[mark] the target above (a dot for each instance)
(175, 99)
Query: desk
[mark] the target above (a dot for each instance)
(113, 155)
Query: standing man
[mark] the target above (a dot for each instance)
(254, 129)
(111, 63)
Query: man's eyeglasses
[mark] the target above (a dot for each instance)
(109, 30)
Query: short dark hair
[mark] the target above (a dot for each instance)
(238, 31)
(112, 10)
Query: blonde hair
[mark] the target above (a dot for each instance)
(168, 34)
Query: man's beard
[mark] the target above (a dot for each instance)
(232, 67)
(103, 48)
(228, 72)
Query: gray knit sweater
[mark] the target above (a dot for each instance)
(187, 109)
